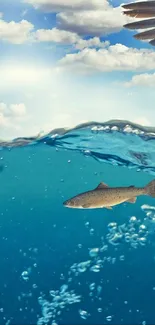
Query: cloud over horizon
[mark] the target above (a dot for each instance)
(11, 116)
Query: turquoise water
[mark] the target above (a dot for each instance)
(64, 266)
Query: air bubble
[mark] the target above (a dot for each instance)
(127, 238)
(112, 225)
(94, 252)
(109, 259)
(133, 220)
(95, 268)
(99, 310)
(82, 267)
(142, 227)
(91, 231)
(99, 289)
(84, 314)
(25, 275)
(142, 241)
(134, 238)
(34, 286)
(52, 293)
(62, 276)
(116, 239)
(104, 248)
(132, 230)
(63, 288)
(92, 286)
(87, 224)
(113, 260)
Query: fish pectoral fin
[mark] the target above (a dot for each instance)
(132, 200)
(101, 185)
(110, 208)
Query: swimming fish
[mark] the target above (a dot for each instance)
(104, 196)
(142, 9)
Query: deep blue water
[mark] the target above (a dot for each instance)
(42, 244)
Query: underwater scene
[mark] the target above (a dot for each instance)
(77, 266)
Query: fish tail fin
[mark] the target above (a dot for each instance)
(150, 188)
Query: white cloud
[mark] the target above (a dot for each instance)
(92, 42)
(92, 17)
(84, 17)
(56, 35)
(93, 22)
(113, 58)
(144, 79)
(18, 110)
(11, 115)
(16, 33)
(65, 37)
(67, 5)
(23, 31)
(19, 33)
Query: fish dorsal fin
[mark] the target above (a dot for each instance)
(101, 186)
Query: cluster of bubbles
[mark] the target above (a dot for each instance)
(134, 233)
(94, 265)
(51, 310)
(84, 314)
(149, 213)
(60, 299)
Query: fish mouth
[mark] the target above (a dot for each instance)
(67, 204)
(70, 204)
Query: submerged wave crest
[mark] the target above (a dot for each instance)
(117, 142)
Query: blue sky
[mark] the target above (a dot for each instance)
(63, 63)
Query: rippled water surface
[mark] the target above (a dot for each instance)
(64, 266)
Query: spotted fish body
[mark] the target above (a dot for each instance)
(106, 197)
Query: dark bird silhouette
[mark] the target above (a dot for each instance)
(142, 9)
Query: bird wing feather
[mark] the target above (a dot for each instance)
(142, 9)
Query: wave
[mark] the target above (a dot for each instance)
(117, 142)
